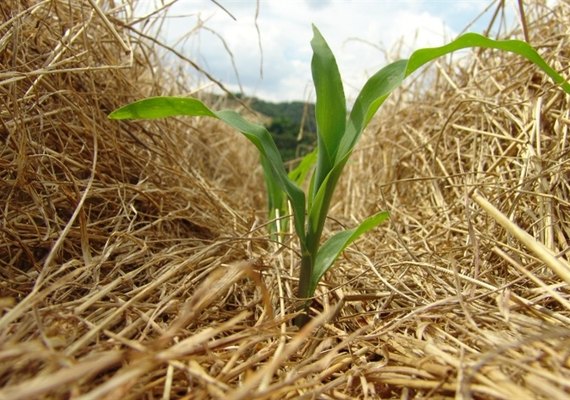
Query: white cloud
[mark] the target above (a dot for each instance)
(285, 28)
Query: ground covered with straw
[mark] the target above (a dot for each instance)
(135, 264)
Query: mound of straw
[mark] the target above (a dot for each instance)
(134, 262)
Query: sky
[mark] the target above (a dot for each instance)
(274, 62)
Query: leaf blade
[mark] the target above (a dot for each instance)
(330, 106)
(272, 163)
(382, 83)
(262, 139)
(320, 204)
(422, 56)
(162, 107)
(335, 245)
(300, 172)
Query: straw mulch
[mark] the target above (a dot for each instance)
(135, 264)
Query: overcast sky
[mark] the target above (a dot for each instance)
(359, 32)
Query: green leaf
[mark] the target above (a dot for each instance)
(330, 107)
(320, 204)
(162, 107)
(300, 172)
(335, 245)
(274, 169)
(377, 89)
(423, 56)
(262, 139)
(374, 92)
(276, 202)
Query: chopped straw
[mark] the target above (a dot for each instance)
(133, 264)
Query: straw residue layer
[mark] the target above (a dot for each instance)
(133, 265)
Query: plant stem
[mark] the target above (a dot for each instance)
(307, 262)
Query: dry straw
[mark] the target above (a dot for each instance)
(133, 267)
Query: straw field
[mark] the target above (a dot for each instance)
(135, 263)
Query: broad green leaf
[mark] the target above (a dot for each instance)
(381, 84)
(274, 169)
(422, 56)
(162, 107)
(330, 107)
(276, 202)
(319, 207)
(374, 92)
(310, 197)
(335, 245)
(300, 172)
(261, 138)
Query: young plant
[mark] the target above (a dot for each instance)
(338, 134)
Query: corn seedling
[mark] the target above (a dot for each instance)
(338, 133)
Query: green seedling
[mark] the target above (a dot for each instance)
(338, 133)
